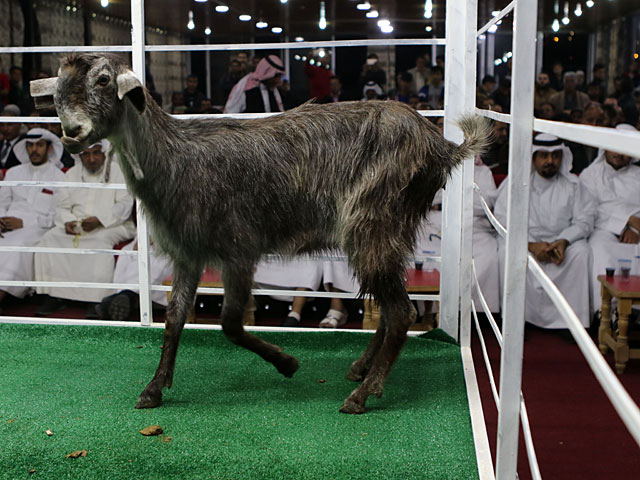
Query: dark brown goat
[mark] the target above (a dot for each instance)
(356, 176)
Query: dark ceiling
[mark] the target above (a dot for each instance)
(300, 17)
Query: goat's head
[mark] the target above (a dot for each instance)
(91, 95)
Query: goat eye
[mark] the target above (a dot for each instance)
(103, 80)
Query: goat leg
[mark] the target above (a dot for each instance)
(400, 316)
(362, 365)
(237, 282)
(184, 289)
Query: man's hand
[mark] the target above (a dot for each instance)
(539, 250)
(70, 228)
(634, 222)
(10, 223)
(629, 236)
(557, 250)
(90, 223)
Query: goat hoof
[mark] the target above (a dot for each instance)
(352, 408)
(148, 401)
(356, 373)
(286, 365)
(353, 376)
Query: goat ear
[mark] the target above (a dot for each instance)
(130, 86)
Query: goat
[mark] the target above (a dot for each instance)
(356, 176)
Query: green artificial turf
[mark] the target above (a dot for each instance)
(229, 414)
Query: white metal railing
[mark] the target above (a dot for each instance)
(613, 388)
(503, 13)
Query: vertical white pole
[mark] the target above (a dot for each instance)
(491, 53)
(208, 69)
(454, 106)
(138, 52)
(524, 34)
(466, 253)
(539, 51)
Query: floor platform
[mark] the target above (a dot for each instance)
(229, 414)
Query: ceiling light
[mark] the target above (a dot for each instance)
(565, 19)
(262, 24)
(104, 3)
(363, 6)
(384, 23)
(207, 31)
(284, 1)
(322, 24)
(190, 24)
(578, 10)
(244, 18)
(428, 28)
(372, 14)
(497, 61)
(555, 26)
(495, 13)
(201, 1)
(299, 39)
(387, 29)
(589, 3)
(493, 29)
(321, 53)
(222, 8)
(276, 30)
(312, 62)
(297, 57)
(428, 9)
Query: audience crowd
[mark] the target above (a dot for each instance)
(584, 206)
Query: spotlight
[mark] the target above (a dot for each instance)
(428, 28)
(262, 24)
(207, 31)
(387, 29)
(222, 8)
(322, 24)
(299, 39)
(190, 24)
(284, 1)
(276, 30)
(555, 26)
(384, 23)
(578, 10)
(428, 9)
(493, 29)
(244, 18)
(372, 14)
(589, 3)
(363, 6)
(565, 20)
(104, 3)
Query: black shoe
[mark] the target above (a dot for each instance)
(50, 305)
(102, 310)
(290, 322)
(120, 307)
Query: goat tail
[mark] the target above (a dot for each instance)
(478, 134)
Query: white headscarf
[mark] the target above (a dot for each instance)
(33, 136)
(544, 142)
(105, 146)
(371, 85)
(624, 127)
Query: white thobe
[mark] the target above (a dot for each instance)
(617, 195)
(484, 240)
(339, 275)
(160, 267)
(289, 275)
(36, 207)
(112, 208)
(559, 208)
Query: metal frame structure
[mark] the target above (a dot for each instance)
(458, 273)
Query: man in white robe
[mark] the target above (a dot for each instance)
(297, 274)
(561, 214)
(119, 306)
(338, 276)
(85, 218)
(614, 182)
(27, 213)
(484, 240)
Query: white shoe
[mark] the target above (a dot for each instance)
(334, 319)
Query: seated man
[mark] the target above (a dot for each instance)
(85, 218)
(614, 182)
(338, 276)
(123, 303)
(561, 213)
(27, 213)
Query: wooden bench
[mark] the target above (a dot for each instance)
(627, 292)
(418, 281)
(212, 279)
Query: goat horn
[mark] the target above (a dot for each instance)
(42, 92)
(44, 87)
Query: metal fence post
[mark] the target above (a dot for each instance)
(138, 55)
(524, 36)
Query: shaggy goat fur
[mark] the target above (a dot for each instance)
(355, 176)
